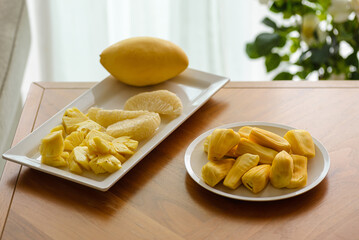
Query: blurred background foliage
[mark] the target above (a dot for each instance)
(310, 37)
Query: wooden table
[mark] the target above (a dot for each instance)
(158, 200)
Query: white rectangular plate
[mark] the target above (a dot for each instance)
(193, 87)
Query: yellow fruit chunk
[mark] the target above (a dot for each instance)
(221, 141)
(214, 171)
(109, 163)
(65, 155)
(108, 117)
(101, 146)
(88, 125)
(78, 159)
(97, 169)
(301, 142)
(142, 61)
(160, 101)
(52, 145)
(266, 155)
(73, 140)
(245, 131)
(230, 153)
(257, 178)
(125, 145)
(59, 128)
(281, 170)
(71, 117)
(58, 161)
(300, 175)
(138, 128)
(240, 167)
(94, 133)
(269, 139)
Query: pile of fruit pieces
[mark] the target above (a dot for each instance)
(102, 140)
(254, 157)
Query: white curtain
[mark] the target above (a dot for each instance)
(68, 36)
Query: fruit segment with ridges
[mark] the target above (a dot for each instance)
(281, 170)
(245, 131)
(214, 171)
(160, 101)
(269, 139)
(300, 175)
(138, 128)
(106, 117)
(266, 155)
(73, 140)
(71, 117)
(221, 141)
(52, 145)
(240, 167)
(257, 178)
(301, 142)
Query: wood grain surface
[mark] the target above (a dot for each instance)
(158, 200)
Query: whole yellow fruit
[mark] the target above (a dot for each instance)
(143, 61)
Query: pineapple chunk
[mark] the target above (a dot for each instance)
(81, 156)
(100, 146)
(52, 145)
(95, 167)
(58, 161)
(71, 117)
(65, 155)
(125, 145)
(74, 167)
(109, 163)
(58, 128)
(73, 140)
(94, 133)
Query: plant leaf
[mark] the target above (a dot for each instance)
(265, 42)
(272, 61)
(269, 22)
(252, 51)
(284, 76)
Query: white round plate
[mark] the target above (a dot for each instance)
(195, 158)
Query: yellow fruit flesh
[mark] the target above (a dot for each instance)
(214, 172)
(245, 131)
(256, 178)
(221, 141)
(161, 101)
(301, 142)
(269, 139)
(240, 167)
(281, 170)
(73, 140)
(266, 155)
(71, 117)
(108, 117)
(52, 145)
(139, 128)
(300, 175)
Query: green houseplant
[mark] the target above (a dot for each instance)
(318, 37)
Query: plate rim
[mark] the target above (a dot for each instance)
(214, 85)
(199, 181)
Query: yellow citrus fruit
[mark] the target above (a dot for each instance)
(143, 61)
(160, 101)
